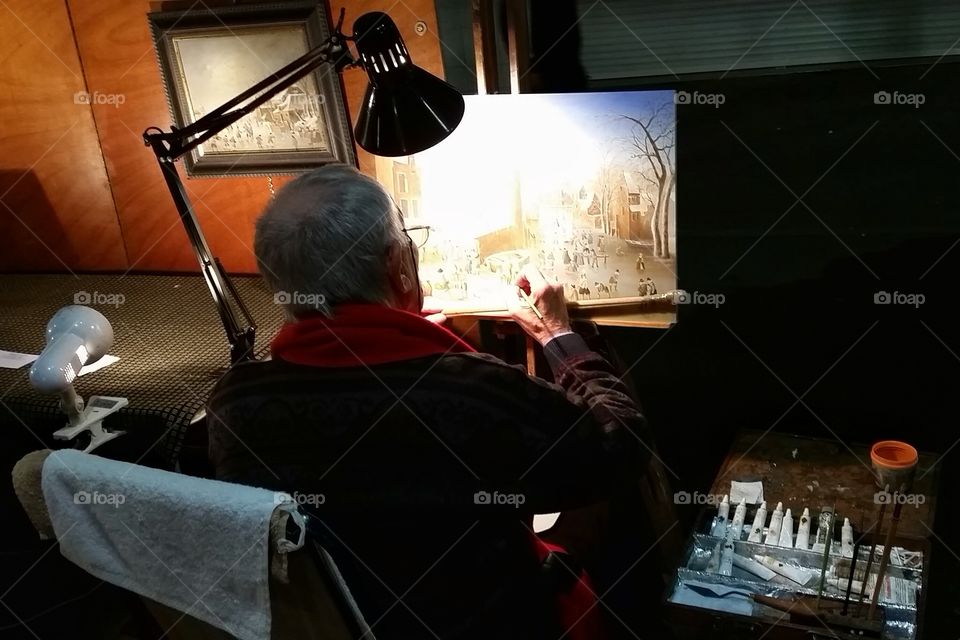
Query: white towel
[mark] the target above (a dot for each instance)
(199, 546)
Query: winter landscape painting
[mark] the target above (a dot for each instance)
(582, 186)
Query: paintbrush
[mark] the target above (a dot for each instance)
(873, 548)
(825, 537)
(853, 570)
(526, 298)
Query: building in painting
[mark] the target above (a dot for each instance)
(634, 215)
(406, 187)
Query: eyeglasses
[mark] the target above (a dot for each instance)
(418, 235)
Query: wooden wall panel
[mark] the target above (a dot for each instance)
(118, 58)
(56, 209)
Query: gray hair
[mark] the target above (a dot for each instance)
(323, 240)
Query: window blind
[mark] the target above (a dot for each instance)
(663, 39)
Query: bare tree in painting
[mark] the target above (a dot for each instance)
(607, 182)
(652, 142)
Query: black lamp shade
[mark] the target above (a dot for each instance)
(405, 109)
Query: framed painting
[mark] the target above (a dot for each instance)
(208, 56)
(582, 186)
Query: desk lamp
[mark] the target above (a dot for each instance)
(76, 336)
(405, 110)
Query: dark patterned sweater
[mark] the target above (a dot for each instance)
(425, 472)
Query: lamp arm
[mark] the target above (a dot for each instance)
(169, 146)
(241, 331)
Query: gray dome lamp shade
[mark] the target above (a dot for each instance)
(405, 109)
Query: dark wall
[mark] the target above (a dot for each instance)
(800, 200)
(877, 213)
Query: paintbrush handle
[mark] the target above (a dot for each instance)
(873, 549)
(884, 559)
(529, 301)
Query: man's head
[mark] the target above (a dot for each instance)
(334, 235)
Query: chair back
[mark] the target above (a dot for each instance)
(311, 602)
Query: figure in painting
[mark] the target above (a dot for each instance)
(615, 280)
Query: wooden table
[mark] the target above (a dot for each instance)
(812, 472)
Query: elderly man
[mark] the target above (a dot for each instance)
(423, 459)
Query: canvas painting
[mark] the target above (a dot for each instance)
(582, 186)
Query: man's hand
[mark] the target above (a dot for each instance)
(549, 300)
(433, 311)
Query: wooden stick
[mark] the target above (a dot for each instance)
(885, 558)
(853, 570)
(873, 550)
(531, 357)
(485, 46)
(826, 552)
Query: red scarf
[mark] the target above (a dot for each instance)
(370, 334)
(363, 334)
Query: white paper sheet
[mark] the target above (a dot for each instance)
(105, 361)
(750, 492)
(14, 360)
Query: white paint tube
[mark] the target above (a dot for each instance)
(760, 519)
(733, 533)
(841, 585)
(803, 531)
(786, 531)
(776, 521)
(824, 530)
(736, 525)
(797, 574)
(726, 554)
(752, 566)
(846, 539)
(719, 528)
